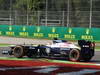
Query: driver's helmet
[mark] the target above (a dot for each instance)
(55, 39)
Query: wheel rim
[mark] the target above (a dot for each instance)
(18, 51)
(74, 55)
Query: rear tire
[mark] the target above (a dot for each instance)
(74, 55)
(32, 53)
(86, 58)
(18, 51)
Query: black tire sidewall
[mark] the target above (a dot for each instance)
(21, 52)
(77, 57)
(87, 58)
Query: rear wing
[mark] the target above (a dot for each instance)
(82, 43)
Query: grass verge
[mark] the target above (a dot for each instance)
(4, 45)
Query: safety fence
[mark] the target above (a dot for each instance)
(52, 18)
(47, 32)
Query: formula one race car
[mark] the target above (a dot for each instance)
(59, 48)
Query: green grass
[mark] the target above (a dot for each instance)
(14, 58)
(97, 47)
(4, 45)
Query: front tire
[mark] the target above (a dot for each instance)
(74, 55)
(18, 51)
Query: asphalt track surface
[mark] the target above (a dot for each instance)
(95, 59)
(44, 70)
(13, 40)
(52, 69)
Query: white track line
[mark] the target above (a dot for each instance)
(25, 68)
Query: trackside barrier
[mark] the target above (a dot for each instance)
(50, 32)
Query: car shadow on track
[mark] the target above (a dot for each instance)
(66, 59)
(95, 61)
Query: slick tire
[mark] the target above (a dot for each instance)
(74, 55)
(32, 54)
(87, 58)
(18, 51)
